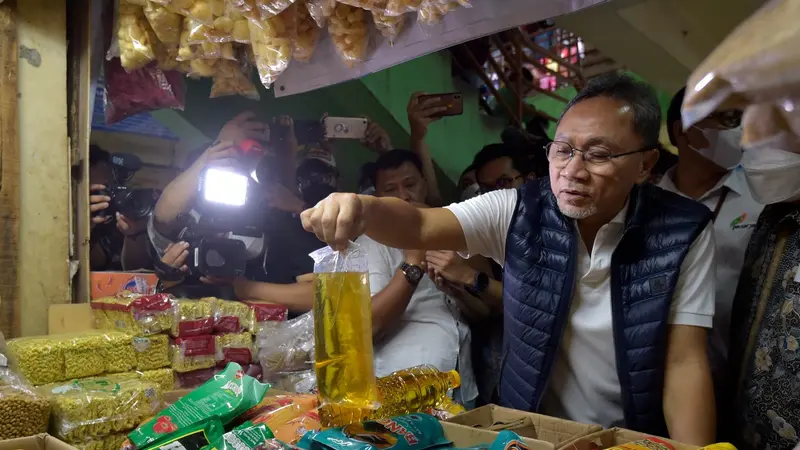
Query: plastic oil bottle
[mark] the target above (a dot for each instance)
(417, 389)
(343, 340)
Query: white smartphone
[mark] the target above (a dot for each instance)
(345, 127)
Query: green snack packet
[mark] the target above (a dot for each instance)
(410, 432)
(505, 440)
(226, 396)
(194, 437)
(247, 436)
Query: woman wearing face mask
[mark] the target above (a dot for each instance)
(708, 155)
(468, 185)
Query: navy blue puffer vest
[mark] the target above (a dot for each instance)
(541, 256)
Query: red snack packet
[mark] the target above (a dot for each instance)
(143, 90)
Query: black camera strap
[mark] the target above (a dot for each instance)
(166, 272)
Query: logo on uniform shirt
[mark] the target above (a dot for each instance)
(737, 223)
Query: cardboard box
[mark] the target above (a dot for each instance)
(38, 442)
(106, 284)
(536, 426)
(616, 436)
(463, 437)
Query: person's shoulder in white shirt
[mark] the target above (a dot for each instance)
(485, 220)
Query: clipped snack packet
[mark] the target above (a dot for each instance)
(134, 36)
(390, 27)
(320, 10)
(307, 36)
(343, 328)
(409, 432)
(273, 44)
(193, 353)
(348, 29)
(759, 62)
(229, 394)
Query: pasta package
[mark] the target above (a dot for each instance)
(230, 316)
(111, 442)
(152, 352)
(23, 411)
(163, 378)
(136, 314)
(135, 37)
(165, 23)
(320, 10)
(758, 63)
(267, 316)
(192, 353)
(273, 44)
(47, 359)
(390, 27)
(348, 29)
(307, 36)
(193, 318)
(234, 347)
(94, 408)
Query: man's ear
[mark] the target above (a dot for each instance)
(677, 132)
(648, 162)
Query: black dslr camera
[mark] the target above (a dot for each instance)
(132, 203)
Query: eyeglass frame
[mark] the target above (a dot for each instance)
(506, 180)
(611, 156)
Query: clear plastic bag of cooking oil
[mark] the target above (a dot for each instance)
(343, 328)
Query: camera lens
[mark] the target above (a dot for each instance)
(135, 204)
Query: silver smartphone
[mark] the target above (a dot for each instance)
(345, 127)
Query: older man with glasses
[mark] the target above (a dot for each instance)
(608, 289)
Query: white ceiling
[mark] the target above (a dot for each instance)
(661, 40)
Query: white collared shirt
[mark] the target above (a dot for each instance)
(431, 331)
(584, 385)
(733, 227)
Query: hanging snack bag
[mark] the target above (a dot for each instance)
(23, 411)
(348, 29)
(320, 10)
(273, 44)
(194, 318)
(400, 7)
(307, 36)
(369, 5)
(167, 25)
(134, 36)
(759, 62)
(247, 8)
(343, 328)
(229, 394)
(193, 353)
(270, 8)
(203, 11)
(143, 90)
(234, 347)
(390, 27)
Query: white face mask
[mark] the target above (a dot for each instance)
(473, 190)
(723, 147)
(772, 173)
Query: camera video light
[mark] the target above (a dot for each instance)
(225, 187)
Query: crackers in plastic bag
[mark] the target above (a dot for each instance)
(307, 36)
(400, 7)
(269, 8)
(390, 27)
(272, 40)
(203, 11)
(759, 62)
(166, 24)
(233, 78)
(431, 12)
(320, 10)
(134, 36)
(349, 32)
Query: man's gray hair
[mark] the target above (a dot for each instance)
(637, 94)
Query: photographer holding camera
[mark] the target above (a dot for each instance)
(275, 251)
(118, 242)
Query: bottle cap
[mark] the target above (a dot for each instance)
(455, 379)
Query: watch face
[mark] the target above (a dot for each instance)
(414, 273)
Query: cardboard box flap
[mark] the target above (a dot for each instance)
(463, 437)
(38, 442)
(537, 426)
(617, 436)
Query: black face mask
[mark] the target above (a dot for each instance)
(315, 193)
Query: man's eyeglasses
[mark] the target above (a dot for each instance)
(731, 118)
(562, 152)
(503, 182)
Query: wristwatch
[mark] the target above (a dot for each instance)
(480, 284)
(413, 273)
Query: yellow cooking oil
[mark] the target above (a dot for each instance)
(417, 389)
(343, 339)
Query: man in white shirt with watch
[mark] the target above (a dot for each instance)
(413, 321)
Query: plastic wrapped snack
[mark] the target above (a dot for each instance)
(23, 411)
(300, 382)
(267, 316)
(163, 378)
(167, 59)
(194, 318)
(343, 328)
(307, 36)
(230, 316)
(47, 359)
(348, 29)
(166, 24)
(203, 67)
(201, 10)
(94, 408)
(135, 37)
(369, 5)
(273, 44)
(277, 410)
(389, 26)
(142, 90)
(320, 10)
(192, 353)
(234, 347)
(111, 442)
(400, 7)
(271, 8)
(287, 347)
(247, 8)
(431, 12)
(759, 62)
(152, 352)
(195, 44)
(296, 428)
(136, 314)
